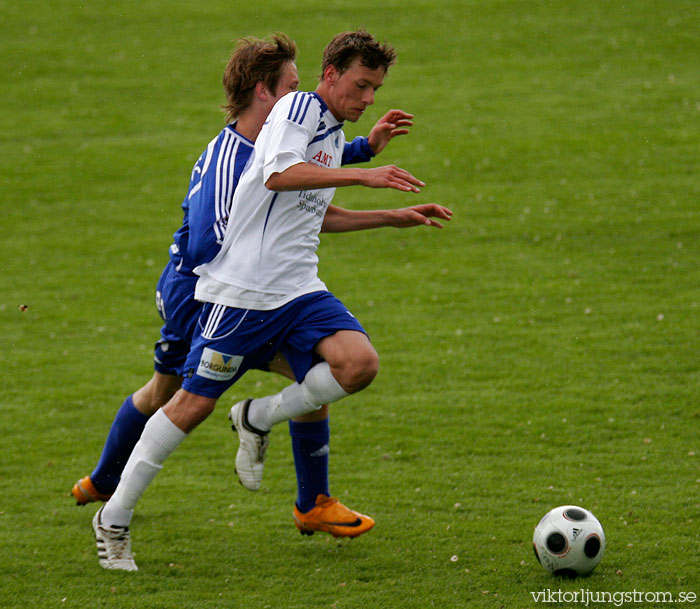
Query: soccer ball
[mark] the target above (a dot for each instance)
(569, 541)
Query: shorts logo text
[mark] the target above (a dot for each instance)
(218, 366)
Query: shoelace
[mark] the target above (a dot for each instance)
(262, 446)
(121, 536)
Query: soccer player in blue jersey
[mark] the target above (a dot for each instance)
(263, 297)
(256, 76)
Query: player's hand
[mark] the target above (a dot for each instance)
(393, 123)
(391, 176)
(418, 215)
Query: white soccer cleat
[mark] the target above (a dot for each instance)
(113, 545)
(250, 458)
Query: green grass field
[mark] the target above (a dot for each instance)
(541, 350)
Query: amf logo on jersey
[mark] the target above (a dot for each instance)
(218, 366)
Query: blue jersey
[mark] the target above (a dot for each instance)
(206, 206)
(357, 151)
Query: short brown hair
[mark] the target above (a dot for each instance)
(347, 46)
(253, 61)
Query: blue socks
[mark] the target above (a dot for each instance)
(123, 435)
(310, 449)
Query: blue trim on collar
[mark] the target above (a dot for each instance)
(323, 136)
(232, 127)
(324, 107)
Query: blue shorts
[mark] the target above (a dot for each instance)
(180, 312)
(228, 342)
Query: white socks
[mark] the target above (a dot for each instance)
(159, 439)
(318, 388)
(161, 436)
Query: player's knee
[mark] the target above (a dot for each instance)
(156, 393)
(359, 370)
(187, 410)
(145, 400)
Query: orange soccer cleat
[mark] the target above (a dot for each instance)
(85, 492)
(333, 517)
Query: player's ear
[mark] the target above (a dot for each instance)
(261, 91)
(331, 74)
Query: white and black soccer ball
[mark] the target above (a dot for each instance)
(569, 541)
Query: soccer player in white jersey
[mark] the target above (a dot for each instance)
(263, 296)
(258, 73)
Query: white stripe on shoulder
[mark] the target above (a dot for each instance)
(225, 183)
(205, 166)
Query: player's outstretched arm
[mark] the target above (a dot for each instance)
(339, 220)
(391, 125)
(305, 176)
(419, 215)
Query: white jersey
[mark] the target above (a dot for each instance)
(269, 257)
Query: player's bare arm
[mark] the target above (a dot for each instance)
(419, 215)
(305, 176)
(340, 220)
(391, 125)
